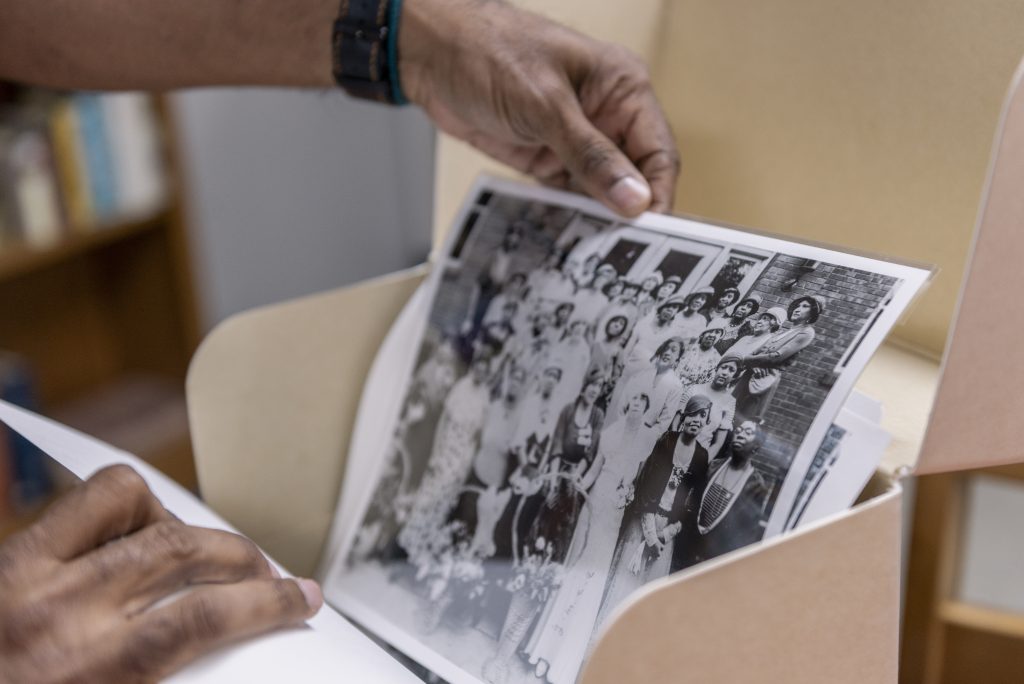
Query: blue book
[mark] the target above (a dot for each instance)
(99, 160)
(31, 479)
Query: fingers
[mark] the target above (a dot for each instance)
(161, 641)
(595, 162)
(619, 99)
(114, 502)
(151, 564)
(649, 142)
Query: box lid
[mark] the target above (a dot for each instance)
(981, 389)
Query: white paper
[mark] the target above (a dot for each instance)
(835, 486)
(327, 649)
(366, 598)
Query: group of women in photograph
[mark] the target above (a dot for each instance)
(602, 434)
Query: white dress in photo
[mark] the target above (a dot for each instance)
(455, 445)
(562, 638)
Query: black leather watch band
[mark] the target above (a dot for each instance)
(360, 49)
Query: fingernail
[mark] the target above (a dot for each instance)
(274, 571)
(629, 195)
(311, 590)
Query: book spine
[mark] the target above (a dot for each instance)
(135, 148)
(9, 219)
(32, 481)
(70, 165)
(35, 188)
(6, 474)
(98, 158)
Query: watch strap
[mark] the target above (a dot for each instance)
(360, 49)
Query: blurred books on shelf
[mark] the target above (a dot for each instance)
(96, 291)
(24, 471)
(72, 163)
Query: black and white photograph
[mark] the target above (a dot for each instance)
(594, 405)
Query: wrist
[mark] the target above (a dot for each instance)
(427, 37)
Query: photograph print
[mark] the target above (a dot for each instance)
(596, 404)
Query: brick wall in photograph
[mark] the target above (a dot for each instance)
(852, 298)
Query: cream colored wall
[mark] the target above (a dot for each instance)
(867, 124)
(864, 124)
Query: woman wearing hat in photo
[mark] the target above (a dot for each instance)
(723, 410)
(606, 351)
(677, 465)
(760, 327)
(621, 296)
(572, 355)
(765, 364)
(649, 334)
(647, 295)
(701, 359)
(739, 322)
(668, 289)
(590, 298)
(719, 310)
(733, 504)
(659, 382)
(574, 448)
(561, 644)
(691, 322)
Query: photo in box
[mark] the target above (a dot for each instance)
(596, 404)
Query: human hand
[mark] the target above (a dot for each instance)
(78, 588)
(670, 531)
(649, 528)
(550, 102)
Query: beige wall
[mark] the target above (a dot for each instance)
(864, 124)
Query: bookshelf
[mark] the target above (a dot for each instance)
(105, 319)
(946, 639)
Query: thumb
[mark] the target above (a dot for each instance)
(598, 165)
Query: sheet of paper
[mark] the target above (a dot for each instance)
(517, 314)
(328, 649)
(848, 456)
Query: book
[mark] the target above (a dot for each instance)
(30, 481)
(135, 152)
(6, 475)
(71, 164)
(31, 185)
(97, 151)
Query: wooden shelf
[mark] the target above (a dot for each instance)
(983, 619)
(143, 414)
(105, 321)
(20, 259)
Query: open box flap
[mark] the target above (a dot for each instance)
(249, 398)
(981, 391)
(821, 605)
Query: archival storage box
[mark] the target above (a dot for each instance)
(273, 395)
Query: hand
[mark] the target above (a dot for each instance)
(546, 100)
(78, 588)
(650, 530)
(670, 532)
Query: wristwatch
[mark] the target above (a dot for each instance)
(365, 50)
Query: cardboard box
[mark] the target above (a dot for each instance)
(272, 401)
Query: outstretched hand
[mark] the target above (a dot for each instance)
(550, 102)
(82, 591)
